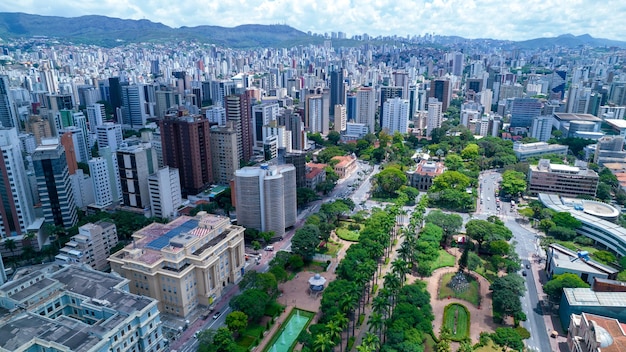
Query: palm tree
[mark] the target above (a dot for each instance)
(393, 283)
(371, 341)
(323, 343)
(334, 332)
(400, 268)
(342, 321)
(9, 244)
(376, 323)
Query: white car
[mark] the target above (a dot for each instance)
(488, 198)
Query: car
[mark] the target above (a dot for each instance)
(216, 315)
(488, 198)
(524, 273)
(527, 266)
(269, 248)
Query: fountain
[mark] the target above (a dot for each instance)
(286, 337)
(459, 283)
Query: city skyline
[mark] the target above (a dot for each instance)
(517, 20)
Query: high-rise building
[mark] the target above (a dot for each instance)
(39, 127)
(8, 114)
(396, 116)
(91, 246)
(110, 135)
(442, 90)
(165, 99)
(523, 111)
(79, 140)
(103, 190)
(366, 107)
(16, 207)
(293, 123)
(351, 108)
(115, 96)
(113, 169)
(224, 153)
(541, 128)
(262, 115)
(136, 163)
(216, 114)
(337, 90)
(298, 160)
(53, 183)
(95, 115)
(58, 102)
(238, 111)
(266, 197)
(314, 115)
(387, 93)
(133, 106)
(165, 194)
(187, 138)
(191, 260)
(435, 115)
(3, 273)
(340, 118)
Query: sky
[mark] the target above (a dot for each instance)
(497, 19)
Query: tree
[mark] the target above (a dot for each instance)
(252, 302)
(305, 241)
(554, 288)
(449, 223)
(333, 137)
(237, 321)
(499, 247)
(205, 340)
(305, 195)
(223, 340)
(470, 152)
(454, 162)
(566, 220)
(323, 343)
(9, 244)
(450, 180)
(603, 192)
(508, 337)
(561, 233)
(390, 180)
(464, 260)
(513, 183)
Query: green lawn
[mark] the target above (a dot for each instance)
(330, 249)
(444, 259)
(348, 235)
(457, 319)
(471, 295)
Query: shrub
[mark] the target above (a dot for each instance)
(361, 319)
(350, 343)
(525, 334)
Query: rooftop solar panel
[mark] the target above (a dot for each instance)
(164, 240)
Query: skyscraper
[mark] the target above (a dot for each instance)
(165, 194)
(133, 109)
(262, 114)
(340, 118)
(435, 115)
(238, 111)
(541, 128)
(266, 197)
(109, 135)
(440, 89)
(136, 163)
(366, 108)
(314, 115)
(523, 111)
(187, 147)
(95, 115)
(8, 115)
(387, 93)
(103, 190)
(16, 207)
(396, 116)
(224, 153)
(337, 90)
(53, 184)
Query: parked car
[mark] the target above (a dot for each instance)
(216, 315)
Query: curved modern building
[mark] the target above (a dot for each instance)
(596, 218)
(266, 197)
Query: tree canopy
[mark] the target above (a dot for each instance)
(513, 183)
(305, 241)
(554, 288)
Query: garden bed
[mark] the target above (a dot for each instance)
(471, 295)
(456, 317)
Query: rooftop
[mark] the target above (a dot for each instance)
(587, 297)
(574, 117)
(565, 258)
(609, 332)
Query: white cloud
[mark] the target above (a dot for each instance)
(513, 19)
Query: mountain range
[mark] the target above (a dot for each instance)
(108, 32)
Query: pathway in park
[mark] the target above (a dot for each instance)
(480, 318)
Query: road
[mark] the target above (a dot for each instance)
(526, 245)
(345, 188)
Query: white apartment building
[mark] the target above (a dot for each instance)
(396, 115)
(91, 246)
(110, 135)
(165, 193)
(435, 115)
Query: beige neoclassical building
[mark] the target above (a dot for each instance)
(185, 263)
